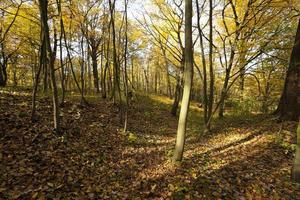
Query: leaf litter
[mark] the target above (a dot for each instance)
(92, 159)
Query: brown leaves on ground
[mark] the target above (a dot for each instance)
(242, 159)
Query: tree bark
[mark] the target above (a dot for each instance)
(211, 72)
(63, 90)
(289, 104)
(3, 75)
(125, 68)
(94, 56)
(43, 5)
(177, 95)
(116, 84)
(37, 77)
(188, 78)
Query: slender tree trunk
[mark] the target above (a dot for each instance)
(71, 66)
(58, 2)
(82, 72)
(125, 69)
(211, 72)
(63, 90)
(116, 85)
(242, 67)
(146, 79)
(14, 70)
(169, 90)
(109, 79)
(37, 77)
(43, 4)
(188, 78)
(45, 77)
(223, 94)
(132, 72)
(266, 95)
(155, 80)
(205, 96)
(95, 69)
(54, 87)
(3, 75)
(106, 67)
(89, 72)
(101, 68)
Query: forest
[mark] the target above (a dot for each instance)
(150, 99)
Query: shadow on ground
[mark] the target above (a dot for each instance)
(93, 159)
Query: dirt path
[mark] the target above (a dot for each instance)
(242, 159)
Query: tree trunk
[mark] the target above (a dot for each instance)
(132, 72)
(211, 72)
(155, 80)
(223, 94)
(43, 5)
(169, 90)
(146, 79)
(125, 68)
(3, 75)
(296, 167)
(71, 65)
(45, 81)
(188, 78)
(95, 69)
(177, 96)
(58, 2)
(205, 95)
(242, 67)
(116, 83)
(106, 67)
(37, 77)
(82, 72)
(266, 95)
(289, 105)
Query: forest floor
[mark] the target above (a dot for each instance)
(244, 157)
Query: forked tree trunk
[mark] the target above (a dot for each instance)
(43, 5)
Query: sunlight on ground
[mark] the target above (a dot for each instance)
(220, 148)
(161, 99)
(168, 101)
(15, 93)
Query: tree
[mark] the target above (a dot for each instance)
(208, 84)
(50, 54)
(4, 56)
(210, 101)
(188, 78)
(116, 68)
(166, 32)
(289, 104)
(90, 23)
(125, 66)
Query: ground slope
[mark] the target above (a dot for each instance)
(245, 157)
